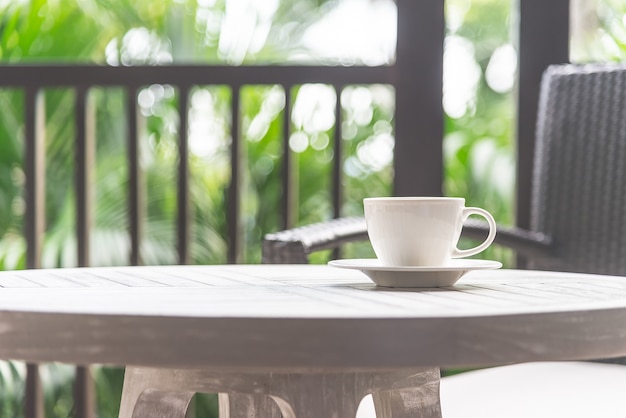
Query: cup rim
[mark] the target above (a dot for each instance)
(403, 199)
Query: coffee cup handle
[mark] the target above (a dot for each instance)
(456, 253)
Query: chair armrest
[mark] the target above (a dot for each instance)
(528, 244)
(292, 246)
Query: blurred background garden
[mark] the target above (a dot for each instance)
(480, 63)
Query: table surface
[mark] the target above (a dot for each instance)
(272, 317)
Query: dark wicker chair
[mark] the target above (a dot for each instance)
(578, 223)
(578, 197)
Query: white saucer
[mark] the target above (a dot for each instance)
(409, 276)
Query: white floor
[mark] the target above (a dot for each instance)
(533, 390)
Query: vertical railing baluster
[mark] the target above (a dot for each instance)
(33, 396)
(337, 196)
(85, 163)
(184, 211)
(232, 209)
(134, 177)
(34, 140)
(288, 216)
(84, 396)
(543, 39)
(418, 153)
(35, 175)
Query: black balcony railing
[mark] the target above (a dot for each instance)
(416, 77)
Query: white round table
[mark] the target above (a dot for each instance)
(314, 338)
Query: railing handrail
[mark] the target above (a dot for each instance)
(76, 75)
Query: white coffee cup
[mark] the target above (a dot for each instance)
(420, 231)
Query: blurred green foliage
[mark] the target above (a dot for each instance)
(478, 145)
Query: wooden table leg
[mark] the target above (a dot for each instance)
(411, 393)
(419, 400)
(162, 403)
(143, 387)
